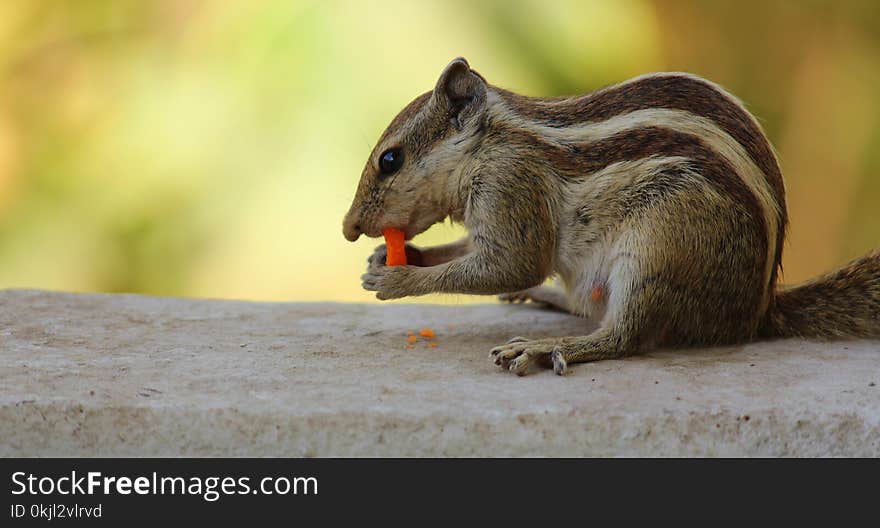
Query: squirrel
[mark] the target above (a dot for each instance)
(658, 202)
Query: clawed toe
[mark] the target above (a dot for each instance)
(520, 364)
(559, 363)
(507, 297)
(518, 297)
(369, 281)
(504, 353)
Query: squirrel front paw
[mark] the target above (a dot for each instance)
(377, 259)
(389, 282)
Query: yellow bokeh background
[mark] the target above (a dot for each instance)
(211, 148)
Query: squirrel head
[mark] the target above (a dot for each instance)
(408, 182)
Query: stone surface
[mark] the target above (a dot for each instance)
(125, 375)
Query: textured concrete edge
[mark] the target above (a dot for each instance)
(74, 430)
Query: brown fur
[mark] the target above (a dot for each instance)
(661, 91)
(842, 304)
(670, 225)
(666, 91)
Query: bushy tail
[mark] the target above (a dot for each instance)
(842, 304)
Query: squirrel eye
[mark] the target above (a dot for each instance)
(390, 161)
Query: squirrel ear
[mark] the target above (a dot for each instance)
(460, 92)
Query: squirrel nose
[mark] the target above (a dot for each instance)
(351, 228)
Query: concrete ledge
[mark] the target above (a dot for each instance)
(124, 375)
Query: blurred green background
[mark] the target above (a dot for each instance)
(211, 148)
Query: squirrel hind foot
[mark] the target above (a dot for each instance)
(543, 296)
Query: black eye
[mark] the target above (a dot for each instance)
(390, 161)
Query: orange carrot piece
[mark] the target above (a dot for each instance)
(426, 332)
(412, 339)
(395, 246)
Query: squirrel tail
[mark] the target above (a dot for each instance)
(841, 304)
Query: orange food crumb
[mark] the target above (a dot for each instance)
(409, 346)
(597, 293)
(432, 344)
(426, 332)
(395, 246)
(412, 338)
